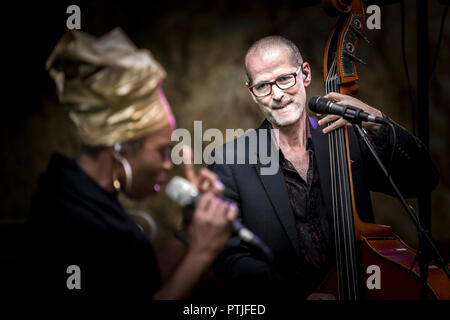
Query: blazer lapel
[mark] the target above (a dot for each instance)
(321, 152)
(276, 190)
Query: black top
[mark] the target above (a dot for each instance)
(76, 222)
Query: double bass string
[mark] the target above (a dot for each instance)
(347, 214)
(339, 138)
(337, 192)
(333, 192)
(339, 154)
(330, 83)
(342, 215)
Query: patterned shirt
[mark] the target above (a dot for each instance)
(313, 222)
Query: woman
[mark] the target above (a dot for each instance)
(114, 97)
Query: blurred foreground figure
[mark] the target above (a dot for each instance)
(112, 92)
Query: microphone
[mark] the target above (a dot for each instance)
(185, 193)
(325, 106)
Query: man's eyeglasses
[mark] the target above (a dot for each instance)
(283, 82)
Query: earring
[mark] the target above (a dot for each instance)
(127, 168)
(116, 182)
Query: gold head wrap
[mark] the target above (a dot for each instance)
(111, 88)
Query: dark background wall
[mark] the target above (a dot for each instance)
(202, 45)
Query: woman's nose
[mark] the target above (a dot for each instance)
(167, 165)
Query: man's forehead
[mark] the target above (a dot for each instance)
(266, 63)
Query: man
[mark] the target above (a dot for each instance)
(291, 210)
(83, 241)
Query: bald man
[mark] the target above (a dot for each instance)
(291, 209)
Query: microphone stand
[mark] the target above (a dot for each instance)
(427, 247)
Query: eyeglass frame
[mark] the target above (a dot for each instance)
(295, 74)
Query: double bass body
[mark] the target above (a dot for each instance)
(386, 274)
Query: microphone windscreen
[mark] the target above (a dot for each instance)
(318, 104)
(181, 191)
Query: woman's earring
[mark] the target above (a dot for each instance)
(116, 182)
(127, 168)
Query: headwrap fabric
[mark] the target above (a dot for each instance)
(111, 88)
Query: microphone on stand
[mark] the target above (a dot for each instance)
(324, 106)
(184, 193)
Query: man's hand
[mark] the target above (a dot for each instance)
(353, 102)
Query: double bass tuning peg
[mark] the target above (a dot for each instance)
(355, 58)
(349, 50)
(355, 26)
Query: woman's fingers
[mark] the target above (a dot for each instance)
(209, 181)
(232, 212)
(188, 162)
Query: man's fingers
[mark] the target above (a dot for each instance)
(337, 124)
(327, 119)
(334, 96)
(189, 172)
(336, 120)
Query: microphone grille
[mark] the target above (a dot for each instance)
(318, 104)
(181, 191)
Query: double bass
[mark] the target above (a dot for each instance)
(372, 262)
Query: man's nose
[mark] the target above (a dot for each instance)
(277, 93)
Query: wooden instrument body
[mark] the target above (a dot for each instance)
(390, 259)
(372, 262)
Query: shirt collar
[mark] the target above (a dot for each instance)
(309, 146)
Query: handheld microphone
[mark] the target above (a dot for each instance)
(325, 106)
(184, 193)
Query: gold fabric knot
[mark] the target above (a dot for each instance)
(112, 90)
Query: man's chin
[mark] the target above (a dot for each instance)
(285, 121)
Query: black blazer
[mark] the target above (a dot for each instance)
(264, 205)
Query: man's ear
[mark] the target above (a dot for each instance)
(251, 93)
(306, 74)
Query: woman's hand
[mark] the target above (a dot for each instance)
(205, 180)
(211, 225)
